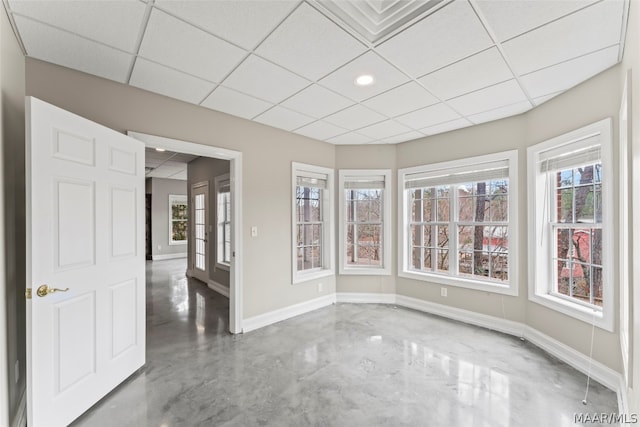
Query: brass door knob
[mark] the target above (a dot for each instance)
(45, 290)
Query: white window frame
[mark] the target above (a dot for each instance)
(470, 164)
(327, 267)
(349, 175)
(540, 239)
(180, 198)
(220, 182)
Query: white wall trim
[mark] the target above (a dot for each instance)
(365, 298)
(21, 415)
(218, 287)
(271, 317)
(623, 395)
(162, 257)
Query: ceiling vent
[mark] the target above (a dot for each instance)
(376, 20)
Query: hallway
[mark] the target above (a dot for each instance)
(344, 365)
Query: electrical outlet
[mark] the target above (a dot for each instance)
(443, 292)
(159, 247)
(320, 287)
(254, 231)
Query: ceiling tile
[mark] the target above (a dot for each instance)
(317, 101)
(428, 116)
(115, 23)
(588, 30)
(384, 130)
(568, 74)
(385, 75)
(181, 175)
(166, 81)
(310, 44)
(409, 136)
(446, 126)
(496, 96)
(476, 72)
(283, 118)
(321, 130)
(543, 99)
(62, 48)
(447, 35)
(179, 45)
(401, 100)
(511, 18)
(351, 138)
(355, 117)
(264, 80)
(245, 23)
(500, 113)
(232, 102)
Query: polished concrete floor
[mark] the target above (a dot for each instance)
(344, 365)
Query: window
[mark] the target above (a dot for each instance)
(223, 221)
(569, 226)
(459, 222)
(313, 222)
(365, 226)
(178, 217)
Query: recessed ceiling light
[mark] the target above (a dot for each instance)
(160, 149)
(365, 80)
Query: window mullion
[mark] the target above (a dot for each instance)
(453, 230)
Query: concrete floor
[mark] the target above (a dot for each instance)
(344, 365)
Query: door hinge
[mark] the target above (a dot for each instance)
(27, 293)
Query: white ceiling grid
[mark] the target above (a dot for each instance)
(291, 64)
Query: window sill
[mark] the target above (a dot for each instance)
(306, 277)
(177, 243)
(220, 266)
(364, 271)
(460, 282)
(577, 311)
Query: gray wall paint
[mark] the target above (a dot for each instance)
(205, 170)
(161, 188)
(12, 85)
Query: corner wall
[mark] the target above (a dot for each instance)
(12, 231)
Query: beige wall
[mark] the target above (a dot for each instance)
(12, 233)
(161, 188)
(267, 154)
(206, 170)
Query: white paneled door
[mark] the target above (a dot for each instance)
(85, 262)
(200, 234)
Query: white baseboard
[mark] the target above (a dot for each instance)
(162, 257)
(219, 288)
(256, 322)
(20, 419)
(365, 298)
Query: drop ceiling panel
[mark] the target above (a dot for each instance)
(233, 102)
(351, 138)
(311, 54)
(283, 118)
(384, 130)
(264, 80)
(180, 175)
(355, 117)
(476, 72)
(115, 23)
(496, 96)
(568, 74)
(446, 126)
(183, 158)
(166, 81)
(447, 35)
(174, 43)
(585, 31)
(321, 130)
(501, 112)
(409, 136)
(512, 18)
(245, 23)
(404, 99)
(62, 48)
(428, 116)
(317, 101)
(343, 80)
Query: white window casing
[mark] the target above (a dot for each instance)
(449, 177)
(590, 146)
(373, 186)
(222, 185)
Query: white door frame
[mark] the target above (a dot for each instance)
(235, 158)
